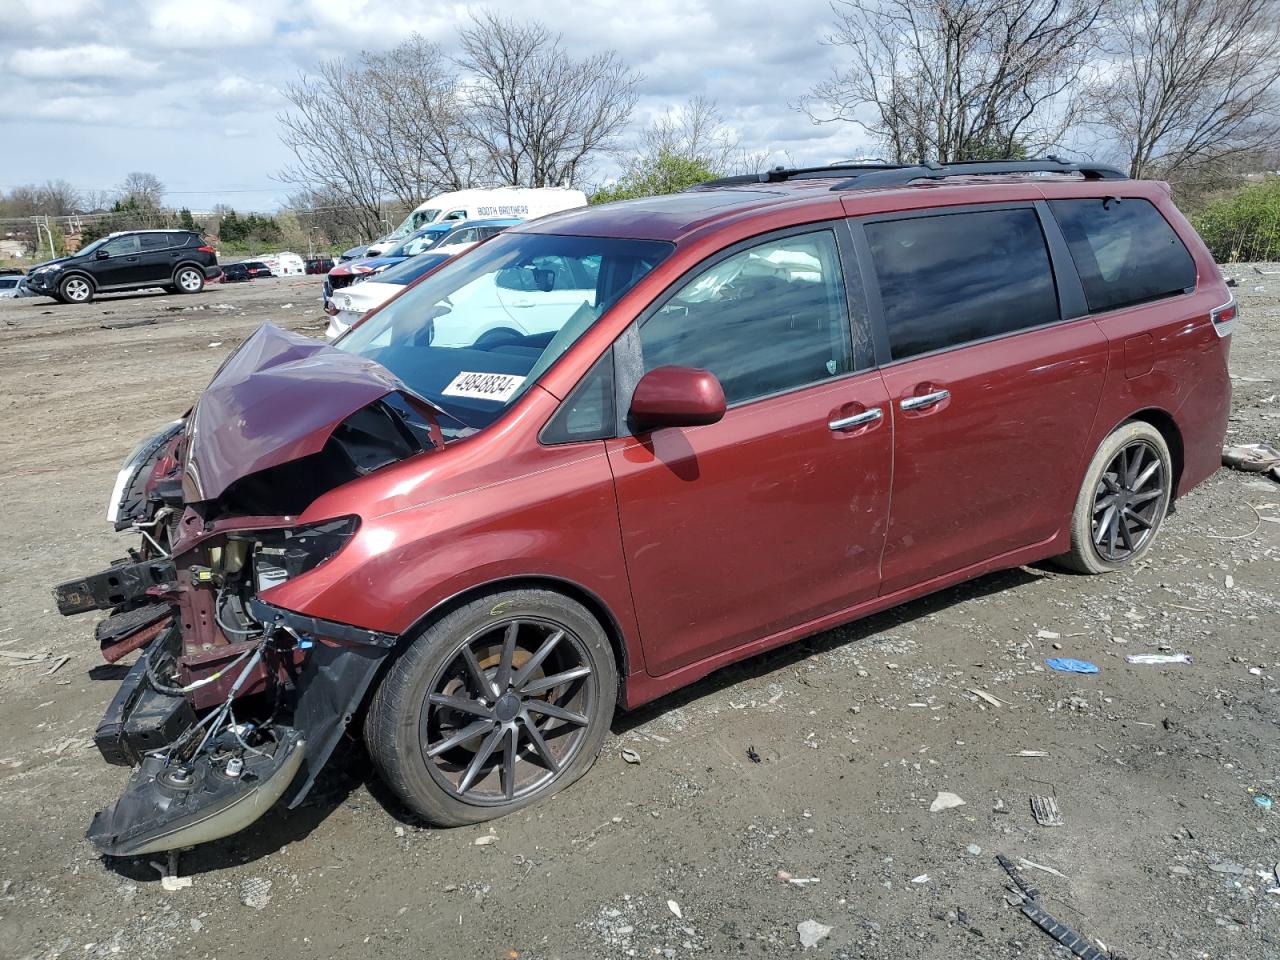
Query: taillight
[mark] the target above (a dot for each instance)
(1224, 317)
(205, 250)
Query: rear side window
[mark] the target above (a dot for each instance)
(1124, 251)
(771, 318)
(955, 278)
(154, 241)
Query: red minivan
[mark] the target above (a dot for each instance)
(614, 449)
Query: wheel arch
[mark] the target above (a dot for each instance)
(574, 591)
(194, 264)
(1164, 422)
(82, 274)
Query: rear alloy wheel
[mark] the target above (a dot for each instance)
(496, 705)
(189, 280)
(1125, 497)
(75, 289)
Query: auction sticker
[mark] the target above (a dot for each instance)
(483, 386)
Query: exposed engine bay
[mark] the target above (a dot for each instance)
(233, 703)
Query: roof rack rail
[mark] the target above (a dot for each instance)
(898, 176)
(780, 174)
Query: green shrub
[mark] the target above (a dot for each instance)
(1244, 226)
(648, 177)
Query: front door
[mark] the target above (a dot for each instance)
(121, 263)
(775, 515)
(993, 393)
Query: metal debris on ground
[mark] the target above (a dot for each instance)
(945, 801)
(752, 755)
(255, 892)
(1253, 458)
(630, 755)
(1046, 812)
(1070, 665)
(1028, 901)
(1158, 658)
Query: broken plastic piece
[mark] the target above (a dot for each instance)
(1069, 665)
(1046, 812)
(1158, 658)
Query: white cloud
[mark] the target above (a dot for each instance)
(211, 24)
(90, 60)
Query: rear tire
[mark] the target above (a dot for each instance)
(1122, 502)
(189, 280)
(75, 289)
(474, 685)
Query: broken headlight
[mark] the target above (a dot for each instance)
(280, 555)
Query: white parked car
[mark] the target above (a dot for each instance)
(513, 302)
(467, 235)
(349, 304)
(11, 286)
(521, 203)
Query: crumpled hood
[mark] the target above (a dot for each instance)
(275, 399)
(47, 263)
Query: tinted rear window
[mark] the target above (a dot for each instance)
(1124, 251)
(951, 279)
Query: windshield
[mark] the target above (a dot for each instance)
(412, 269)
(420, 217)
(475, 334)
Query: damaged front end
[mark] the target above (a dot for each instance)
(235, 703)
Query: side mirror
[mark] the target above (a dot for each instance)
(102, 254)
(676, 397)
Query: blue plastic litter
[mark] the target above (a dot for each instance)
(1262, 800)
(1068, 665)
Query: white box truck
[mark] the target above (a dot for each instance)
(523, 202)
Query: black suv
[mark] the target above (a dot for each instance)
(178, 260)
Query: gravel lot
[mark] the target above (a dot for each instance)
(1165, 851)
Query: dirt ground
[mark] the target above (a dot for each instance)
(1158, 770)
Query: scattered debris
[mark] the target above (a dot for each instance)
(1046, 812)
(170, 882)
(1227, 866)
(982, 695)
(675, 909)
(811, 932)
(1030, 753)
(484, 841)
(945, 801)
(1262, 800)
(1025, 864)
(58, 664)
(923, 878)
(1253, 458)
(796, 881)
(973, 850)
(1158, 658)
(32, 655)
(1028, 900)
(752, 755)
(1070, 665)
(1244, 536)
(216, 343)
(630, 755)
(1048, 635)
(255, 892)
(125, 322)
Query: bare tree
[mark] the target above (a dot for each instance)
(959, 79)
(145, 189)
(1196, 83)
(538, 114)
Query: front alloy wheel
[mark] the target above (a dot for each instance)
(508, 712)
(76, 290)
(494, 706)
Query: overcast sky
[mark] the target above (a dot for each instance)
(188, 89)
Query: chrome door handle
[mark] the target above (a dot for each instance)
(857, 420)
(928, 400)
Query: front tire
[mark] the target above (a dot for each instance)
(1122, 502)
(189, 280)
(75, 289)
(494, 707)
